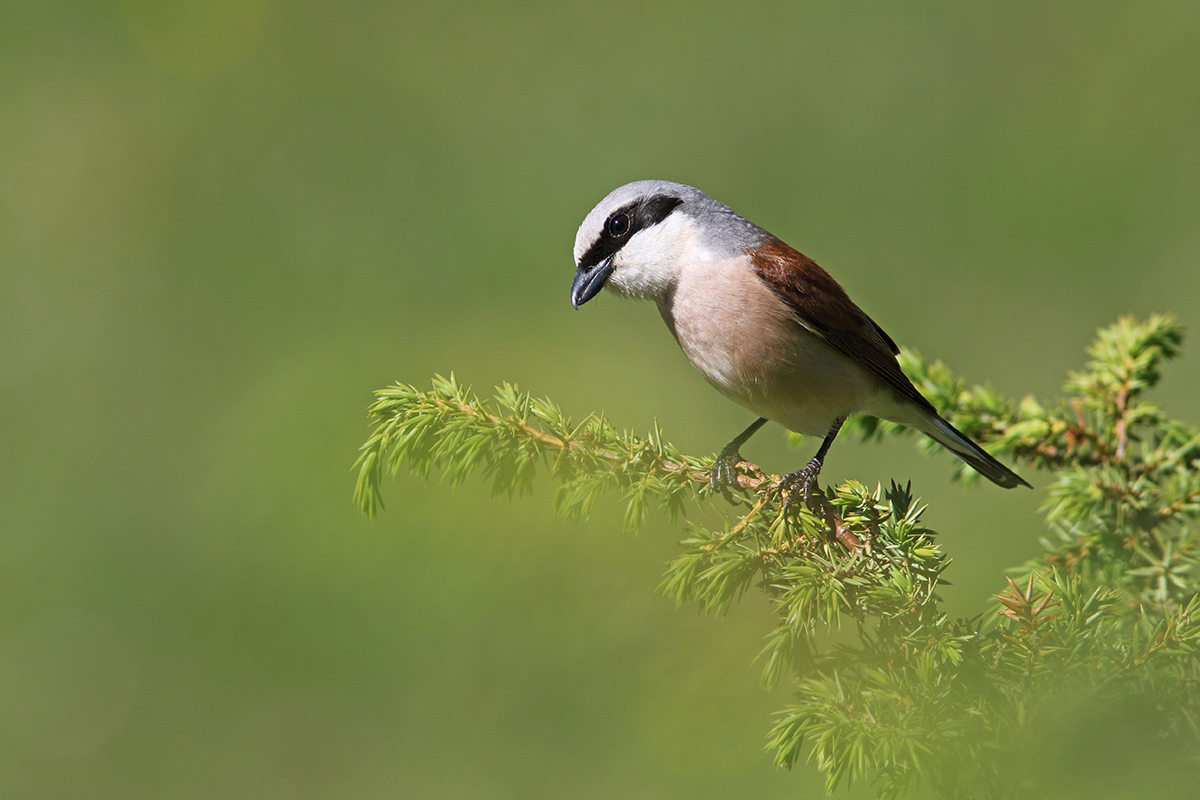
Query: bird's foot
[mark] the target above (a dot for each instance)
(799, 483)
(802, 483)
(724, 474)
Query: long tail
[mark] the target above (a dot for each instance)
(980, 460)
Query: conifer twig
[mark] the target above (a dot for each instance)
(904, 695)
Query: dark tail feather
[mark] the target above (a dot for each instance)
(980, 460)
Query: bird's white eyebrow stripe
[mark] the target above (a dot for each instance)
(643, 213)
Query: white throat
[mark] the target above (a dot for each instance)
(648, 266)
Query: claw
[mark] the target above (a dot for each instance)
(723, 474)
(803, 480)
(800, 482)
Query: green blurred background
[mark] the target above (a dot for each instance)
(222, 224)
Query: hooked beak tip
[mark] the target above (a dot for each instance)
(589, 281)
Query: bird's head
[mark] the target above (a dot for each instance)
(632, 241)
(638, 239)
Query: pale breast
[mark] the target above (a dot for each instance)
(747, 343)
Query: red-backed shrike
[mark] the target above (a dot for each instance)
(763, 323)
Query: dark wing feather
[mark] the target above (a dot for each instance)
(822, 306)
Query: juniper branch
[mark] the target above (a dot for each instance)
(913, 697)
(451, 429)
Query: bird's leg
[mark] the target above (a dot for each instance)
(802, 481)
(724, 469)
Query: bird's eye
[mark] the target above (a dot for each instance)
(618, 225)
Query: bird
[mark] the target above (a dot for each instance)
(763, 323)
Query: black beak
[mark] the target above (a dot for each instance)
(589, 281)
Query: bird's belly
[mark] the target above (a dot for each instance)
(773, 366)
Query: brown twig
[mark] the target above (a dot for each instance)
(841, 531)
